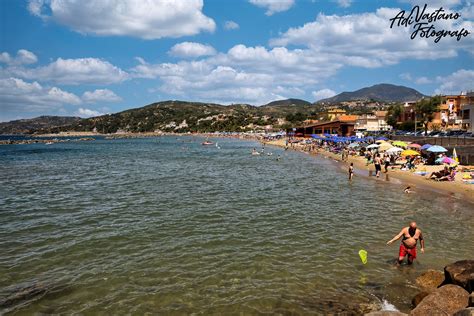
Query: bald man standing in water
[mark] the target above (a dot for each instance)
(410, 235)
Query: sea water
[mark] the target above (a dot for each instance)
(167, 226)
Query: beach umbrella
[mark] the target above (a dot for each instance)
(354, 145)
(399, 143)
(385, 146)
(410, 152)
(446, 160)
(382, 138)
(413, 145)
(455, 155)
(425, 146)
(393, 150)
(373, 146)
(437, 149)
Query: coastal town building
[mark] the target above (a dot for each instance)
(454, 112)
(374, 122)
(342, 126)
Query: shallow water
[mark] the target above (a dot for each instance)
(165, 225)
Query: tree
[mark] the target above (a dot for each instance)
(425, 110)
(393, 112)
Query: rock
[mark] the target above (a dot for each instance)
(418, 298)
(471, 300)
(387, 313)
(443, 301)
(23, 294)
(430, 280)
(460, 273)
(465, 312)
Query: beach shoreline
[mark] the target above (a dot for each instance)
(406, 178)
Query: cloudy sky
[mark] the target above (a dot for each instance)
(88, 57)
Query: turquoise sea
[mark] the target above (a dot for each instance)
(167, 226)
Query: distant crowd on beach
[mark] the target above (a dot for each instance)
(385, 155)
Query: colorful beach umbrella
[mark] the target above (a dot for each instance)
(437, 149)
(393, 150)
(399, 143)
(414, 145)
(373, 146)
(410, 152)
(425, 146)
(446, 160)
(354, 145)
(385, 146)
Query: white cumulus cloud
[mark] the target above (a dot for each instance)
(23, 57)
(366, 39)
(72, 72)
(344, 3)
(100, 95)
(231, 25)
(461, 80)
(191, 49)
(273, 6)
(22, 96)
(323, 94)
(151, 19)
(83, 112)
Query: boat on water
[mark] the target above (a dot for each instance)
(207, 143)
(49, 143)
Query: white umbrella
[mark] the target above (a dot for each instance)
(373, 146)
(394, 150)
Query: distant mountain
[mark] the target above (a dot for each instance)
(380, 92)
(27, 126)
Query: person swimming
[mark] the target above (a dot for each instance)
(408, 190)
(351, 171)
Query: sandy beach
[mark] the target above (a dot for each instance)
(407, 178)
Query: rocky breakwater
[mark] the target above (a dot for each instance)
(42, 141)
(446, 293)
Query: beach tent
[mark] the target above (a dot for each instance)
(437, 149)
(385, 146)
(400, 144)
(425, 146)
(373, 146)
(410, 152)
(394, 150)
(414, 145)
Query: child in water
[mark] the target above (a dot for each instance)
(351, 171)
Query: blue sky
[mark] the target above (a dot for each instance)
(87, 58)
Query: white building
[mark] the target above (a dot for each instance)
(372, 122)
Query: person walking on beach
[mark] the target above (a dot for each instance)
(378, 165)
(351, 171)
(387, 162)
(411, 235)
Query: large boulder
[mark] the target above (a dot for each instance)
(430, 280)
(465, 312)
(460, 273)
(418, 298)
(445, 300)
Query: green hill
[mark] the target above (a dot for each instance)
(182, 116)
